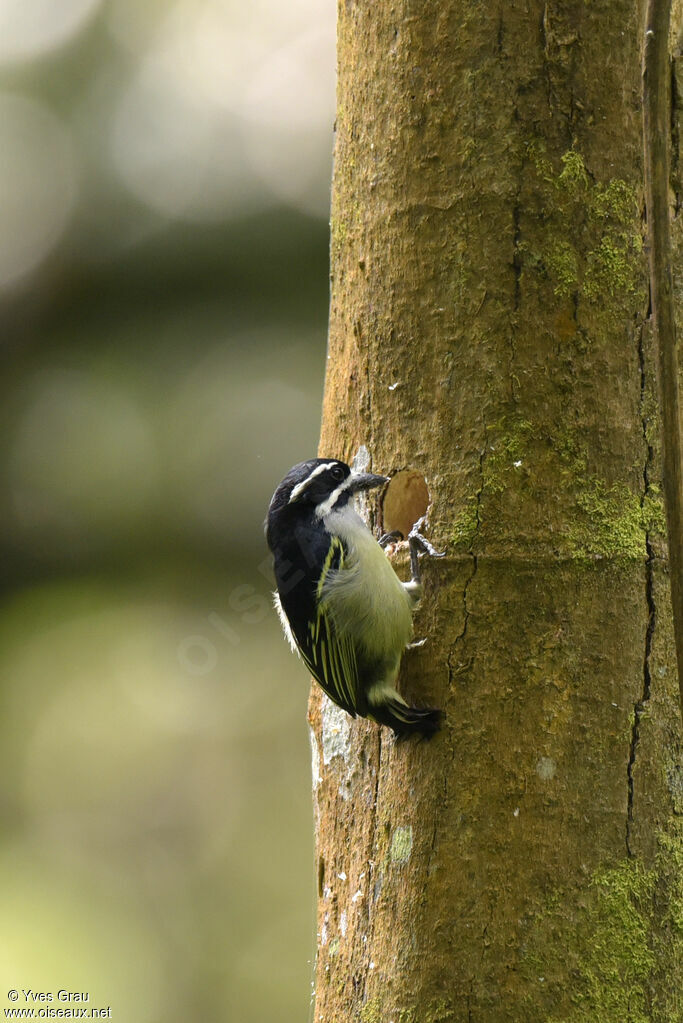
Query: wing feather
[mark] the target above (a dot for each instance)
(329, 654)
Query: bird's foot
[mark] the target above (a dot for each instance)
(388, 538)
(418, 544)
(416, 644)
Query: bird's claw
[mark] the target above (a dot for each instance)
(416, 644)
(388, 538)
(420, 545)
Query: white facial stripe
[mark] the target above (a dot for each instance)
(300, 487)
(326, 507)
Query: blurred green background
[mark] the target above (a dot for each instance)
(164, 191)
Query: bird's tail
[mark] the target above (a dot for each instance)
(405, 720)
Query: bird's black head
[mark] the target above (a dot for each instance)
(319, 486)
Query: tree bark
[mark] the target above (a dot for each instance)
(490, 329)
(657, 119)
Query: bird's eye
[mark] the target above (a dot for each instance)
(337, 473)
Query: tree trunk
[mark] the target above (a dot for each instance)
(489, 328)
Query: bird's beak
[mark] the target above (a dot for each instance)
(365, 481)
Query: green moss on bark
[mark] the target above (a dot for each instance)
(599, 519)
(609, 522)
(573, 176)
(621, 941)
(593, 231)
(435, 1012)
(614, 955)
(507, 451)
(466, 524)
(371, 1011)
(613, 266)
(562, 264)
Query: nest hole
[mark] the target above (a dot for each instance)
(405, 501)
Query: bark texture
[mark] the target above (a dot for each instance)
(490, 328)
(657, 110)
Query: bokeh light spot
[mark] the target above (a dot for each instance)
(177, 154)
(30, 28)
(38, 184)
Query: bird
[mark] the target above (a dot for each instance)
(341, 605)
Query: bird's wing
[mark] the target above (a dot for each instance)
(329, 653)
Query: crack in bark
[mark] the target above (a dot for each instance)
(517, 269)
(484, 936)
(545, 35)
(466, 587)
(501, 32)
(639, 706)
(674, 170)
